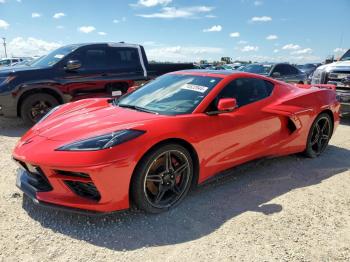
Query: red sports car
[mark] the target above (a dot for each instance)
(150, 146)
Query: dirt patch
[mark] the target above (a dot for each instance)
(285, 209)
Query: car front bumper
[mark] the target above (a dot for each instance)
(89, 189)
(344, 99)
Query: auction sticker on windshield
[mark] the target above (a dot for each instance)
(196, 88)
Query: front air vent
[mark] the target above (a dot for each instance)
(86, 190)
(72, 174)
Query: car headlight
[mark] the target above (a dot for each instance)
(103, 141)
(6, 80)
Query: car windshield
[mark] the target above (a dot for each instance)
(55, 56)
(346, 56)
(257, 69)
(171, 94)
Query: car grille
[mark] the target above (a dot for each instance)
(339, 78)
(84, 189)
(36, 177)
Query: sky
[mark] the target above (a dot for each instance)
(179, 30)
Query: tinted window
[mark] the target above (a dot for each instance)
(285, 70)
(171, 94)
(94, 59)
(123, 58)
(247, 90)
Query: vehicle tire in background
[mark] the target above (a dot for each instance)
(162, 178)
(319, 135)
(35, 106)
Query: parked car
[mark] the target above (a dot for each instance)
(281, 71)
(150, 146)
(5, 62)
(338, 74)
(74, 72)
(308, 69)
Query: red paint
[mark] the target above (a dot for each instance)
(221, 141)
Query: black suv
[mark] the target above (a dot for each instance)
(75, 72)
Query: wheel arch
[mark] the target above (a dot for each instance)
(41, 90)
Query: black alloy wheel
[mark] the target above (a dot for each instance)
(35, 106)
(164, 179)
(319, 135)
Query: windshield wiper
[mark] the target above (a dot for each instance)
(138, 108)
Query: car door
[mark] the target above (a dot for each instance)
(88, 80)
(246, 133)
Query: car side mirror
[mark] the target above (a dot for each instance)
(225, 105)
(276, 74)
(73, 65)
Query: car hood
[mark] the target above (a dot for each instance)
(340, 64)
(5, 71)
(89, 118)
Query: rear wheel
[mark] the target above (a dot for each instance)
(319, 135)
(162, 179)
(35, 106)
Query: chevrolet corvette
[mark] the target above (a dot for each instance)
(149, 147)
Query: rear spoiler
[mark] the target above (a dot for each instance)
(325, 86)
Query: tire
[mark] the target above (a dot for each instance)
(301, 83)
(151, 178)
(39, 104)
(319, 135)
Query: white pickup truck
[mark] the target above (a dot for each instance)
(338, 74)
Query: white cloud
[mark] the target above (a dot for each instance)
(102, 33)
(336, 50)
(60, 27)
(59, 15)
(173, 12)
(151, 3)
(242, 42)
(2, 1)
(214, 28)
(271, 37)
(210, 16)
(235, 34)
(249, 48)
(258, 3)
(276, 50)
(30, 46)
(261, 19)
(36, 15)
(182, 54)
(291, 47)
(302, 51)
(86, 29)
(4, 24)
(116, 21)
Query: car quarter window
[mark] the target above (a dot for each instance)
(246, 90)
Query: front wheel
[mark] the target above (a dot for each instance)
(162, 178)
(35, 106)
(319, 135)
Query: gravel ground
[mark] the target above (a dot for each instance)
(285, 209)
